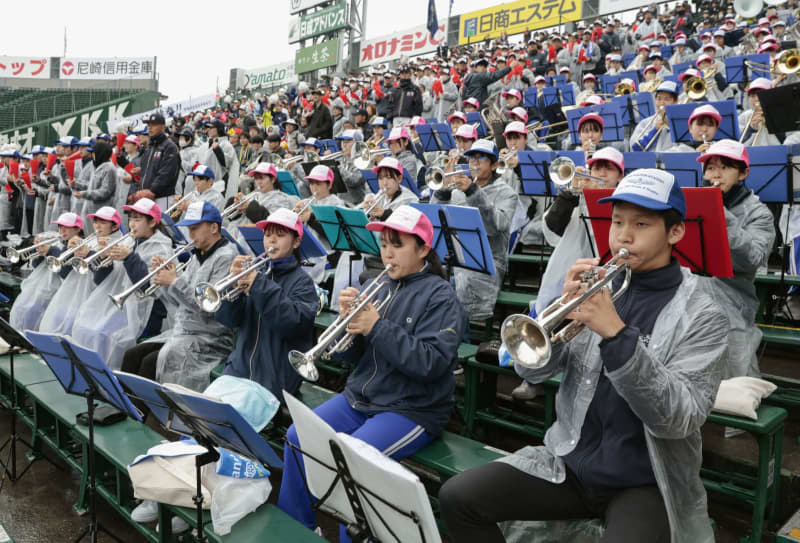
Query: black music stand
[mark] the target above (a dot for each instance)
(340, 471)
(83, 373)
(780, 108)
(213, 423)
(459, 237)
(17, 344)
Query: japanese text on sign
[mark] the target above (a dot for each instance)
(107, 68)
(515, 18)
(320, 22)
(322, 55)
(412, 42)
(36, 67)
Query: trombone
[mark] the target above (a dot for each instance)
(331, 341)
(786, 64)
(55, 263)
(287, 163)
(84, 265)
(136, 288)
(17, 255)
(562, 172)
(529, 341)
(210, 297)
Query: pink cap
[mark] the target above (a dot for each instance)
(515, 127)
(610, 154)
(107, 213)
(408, 220)
(691, 72)
(320, 172)
(711, 47)
(519, 113)
(145, 206)
(760, 30)
(593, 100)
(703, 58)
(392, 163)
(132, 139)
(415, 120)
(759, 83)
(728, 148)
(644, 47)
(266, 168)
(472, 101)
(466, 131)
(457, 115)
(768, 46)
(763, 21)
(69, 220)
(650, 68)
(283, 217)
(589, 76)
(768, 38)
(564, 69)
(706, 110)
(398, 133)
(591, 117)
(513, 92)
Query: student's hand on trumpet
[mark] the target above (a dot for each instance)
(237, 266)
(364, 321)
(597, 312)
(119, 252)
(166, 275)
(42, 249)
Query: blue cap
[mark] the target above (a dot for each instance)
(312, 141)
(198, 212)
(379, 121)
(483, 146)
(70, 141)
(104, 137)
(202, 171)
(37, 149)
(669, 86)
(142, 130)
(347, 135)
(651, 189)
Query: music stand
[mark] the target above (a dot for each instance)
(608, 83)
(681, 67)
(82, 372)
(611, 113)
(310, 247)
(346, 230)
(475, 117)
(553, 80)
(704, 248)
(17, 343)
(288, 185)
(533, 173)
(666, 51)
(678, 119)
(328, 145)
(339, 471)
(737, 70)
(531, 97)
(635, 107)
(567, 94)
(213, 423)
(769, 173)
(780, 108)
(684, 166)
(635, 160)
(444, 135)
(459, 237)
(550, 96)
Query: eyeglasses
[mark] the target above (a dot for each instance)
(478, 158)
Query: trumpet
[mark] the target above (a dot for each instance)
(287, 163)
(85, 265)
(331, 340)
(230, 211)
(379, 201)
(308, 204)
(136, 288)
(529, 341)
(17, 255)
(623, 88)
(174, 207)
(210, 297)
(435, 178)
(367, 155)
(56, 262)
(562, 172)
(502, 163)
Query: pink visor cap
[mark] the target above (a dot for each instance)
(727, 148)
(320, 172)
(145, 206)
(591, 117)
(515, 127)
(107, 213)
(466, 131)
(265, 168)
(408, 220)
(70, 220)
(391, 163)
(706, 110)
(457, 115)
(611, 155)
(283, 217)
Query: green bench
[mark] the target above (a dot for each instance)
(515, 299)
(780, 335)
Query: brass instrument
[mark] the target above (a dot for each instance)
(367, 155)
(650, 86)
(231, 210)
(786, 64)
(173, 211)
(380, 200)
(492, 113)
(562, 172)
(662, 113)
(502, 162)
(55, 263)
(331, 340)
(529, 341)
(695, 88)
(210, 297)
(306, 205)
(120, 299)
(374, 143)
(17, 255)
(623, 88)
(747, 127)
(747, 9)
(92, 263)
(435, 178)
(287, 163)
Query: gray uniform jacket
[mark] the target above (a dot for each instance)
(354, 181)
(751, 233)
(446, 100)
(670, 384)
(198, 342)
(409, 162)
(663, 141)
(100, 192)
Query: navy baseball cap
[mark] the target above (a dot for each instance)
(155, 118)
(651, 189)
(483, 146)
(198, 212)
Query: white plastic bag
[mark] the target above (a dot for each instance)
(233, 499)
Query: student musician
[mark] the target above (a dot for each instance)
(653, 134)
(400, 143)
(638, 383)
(41, 285)
(590, 132)
(202, 179)
(75, 288)
(565, 231)
(270, 196)
(497, 203)
(752, 126)
(99, 324)
(400, 394)
(516, 136)
(703, 125)
(751, 233)
(275, 315)
(351, 176)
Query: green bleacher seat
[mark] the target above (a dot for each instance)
(515, 299)
(780, 335)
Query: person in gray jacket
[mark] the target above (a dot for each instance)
(497, 203)
(445, 102)
(751, 233)
(102, 185)
(638, 383)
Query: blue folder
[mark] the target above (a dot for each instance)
(635, 160)
(678, 119)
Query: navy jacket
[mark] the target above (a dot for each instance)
(405, 364)
(275, 318)
(160, 165)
